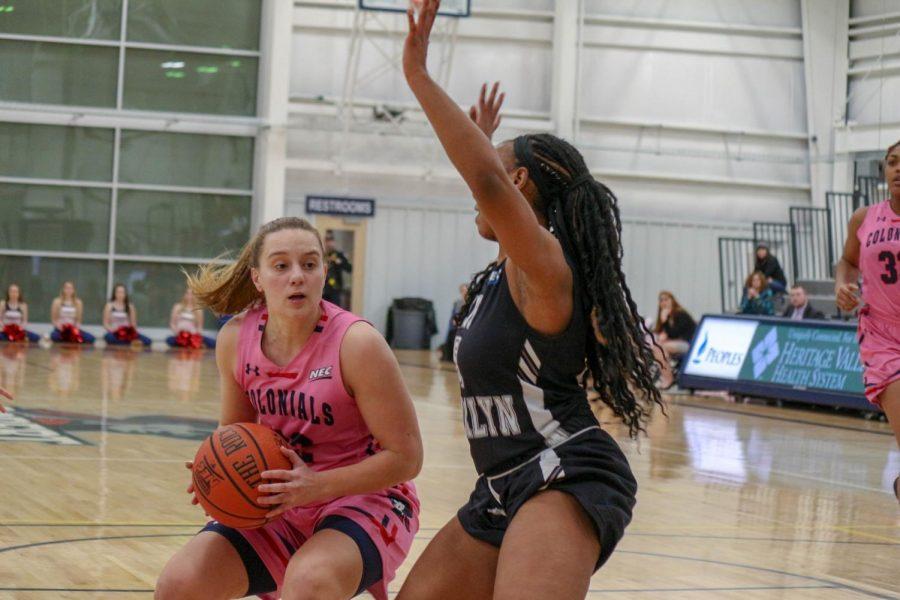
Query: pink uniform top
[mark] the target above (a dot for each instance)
(305, 400)
(879, 262)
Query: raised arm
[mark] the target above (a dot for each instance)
(532, 247)
(846, 286)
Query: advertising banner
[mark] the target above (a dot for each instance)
(814, 361)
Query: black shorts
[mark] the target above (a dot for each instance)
(589, 466)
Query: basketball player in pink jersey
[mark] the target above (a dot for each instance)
(872, 249)
(327, 381)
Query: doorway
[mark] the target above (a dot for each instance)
(345, 251)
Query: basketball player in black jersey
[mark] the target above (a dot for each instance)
(555, 492)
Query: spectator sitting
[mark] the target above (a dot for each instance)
(800, 307)
(758, 296)
(673, 332)
(769, 266)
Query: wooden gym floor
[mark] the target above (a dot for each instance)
(735, 501)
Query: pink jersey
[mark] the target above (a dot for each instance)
(307, 403)
(305, 400)
(879, 262)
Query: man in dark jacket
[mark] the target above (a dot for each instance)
(338, 264)
(800, 307)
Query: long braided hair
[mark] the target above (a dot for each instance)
(583, 214)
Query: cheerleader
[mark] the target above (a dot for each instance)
(14, 314)
(120, 319)
(65, 314)
(186, 322)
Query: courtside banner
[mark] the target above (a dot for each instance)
(811, 361)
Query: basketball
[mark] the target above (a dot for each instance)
(227, 470)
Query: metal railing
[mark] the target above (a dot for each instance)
(780, 239)
(841, 205)
(735, 264)
(871, 189)
(813, 243)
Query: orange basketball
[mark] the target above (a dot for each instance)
(227, 470)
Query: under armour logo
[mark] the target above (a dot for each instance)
(248, 369)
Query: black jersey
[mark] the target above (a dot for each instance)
(520, 390)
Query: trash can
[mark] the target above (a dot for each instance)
(410, 324)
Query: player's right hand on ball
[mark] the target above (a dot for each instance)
(190, 488)
(847, 297)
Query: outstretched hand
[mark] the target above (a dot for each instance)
(486, 114)
(415, 49)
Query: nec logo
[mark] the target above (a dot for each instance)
(320, 373)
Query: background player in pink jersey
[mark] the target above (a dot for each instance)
(873, 250)
(328, 382)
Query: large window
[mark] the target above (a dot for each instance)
(53, 217)
(201, 225)
(87, 19)
(203, 57)
(183, 159)
(51, 73)
(45, 212)
(56, 152)
(41, 279)
(210, 23)
(155, 288)
(111, 202)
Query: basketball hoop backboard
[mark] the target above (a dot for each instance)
(450, 8)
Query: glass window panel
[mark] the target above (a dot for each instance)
(51, 73)
(174, 224)
(190, 82)
(186, 159)
(210, 23)
(53, 217)
(56, 152)
(91, 19)
(41, 279)
(154, 288)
